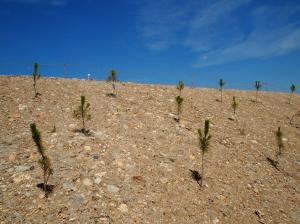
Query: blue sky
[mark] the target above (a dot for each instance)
(198, 41)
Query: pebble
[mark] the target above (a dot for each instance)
(24, 168)
(87, 148)
(87, 182)
(97, 180)
(123, 208)
(72, 126)
(77, 200)
(42, 195)
(112, 189)
(98, 134)
(164, 180)
(119, 163)
(192, 157)
(12, 157)
(33, 156)
(215, 221)
(95, 157)
(22, 107)
(253, 141)
(68, 185)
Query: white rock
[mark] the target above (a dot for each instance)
(123, 208)
(253, 141)
(97, 180)
(41, 195)
(87, 148)
(112, 189)
(215, 221)
(87, 182)
(21, 177)
(98, 134)
(22, 107)
(72, 126)
(164, 180)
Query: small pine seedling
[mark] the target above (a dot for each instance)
(179, 101)
(36, 75)
(221, 84)
(293, 88)
(112, 78)
(257, 87)
(234, 104)
(44, 161)
(53, 129)
(180, 86)
(82, 113)
(279, 139)
(204, 138)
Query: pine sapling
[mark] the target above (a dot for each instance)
(112, 78)
(179, 101)
(234, 104)
(279, 139)
(36, 75)
(44, 161)
(82, 113)
(204, 138)
(221, 84)
(293, 89)
(257, 87)
(180, 86)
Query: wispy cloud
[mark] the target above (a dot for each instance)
(161, 20)
(223, 31)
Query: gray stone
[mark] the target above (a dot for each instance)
(112, 189)
(95, 157)
(68, 185)
(24, 168)
(78, 200)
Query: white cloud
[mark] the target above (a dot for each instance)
(223, 31)
(160, 22)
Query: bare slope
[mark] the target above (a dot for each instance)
(135, 167)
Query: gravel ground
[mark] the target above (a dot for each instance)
(135, 166)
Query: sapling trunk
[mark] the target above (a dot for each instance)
(293, 89)
(180, 87)
(83, 113)
(179, 101)
(202, 168)
(44, 161)
(257, 87)
(279, 138)
(36, 76)
(221, 84)
(204, 138)
(112, 78)
(234, 104)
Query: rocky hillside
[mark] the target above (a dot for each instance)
(134, 168)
